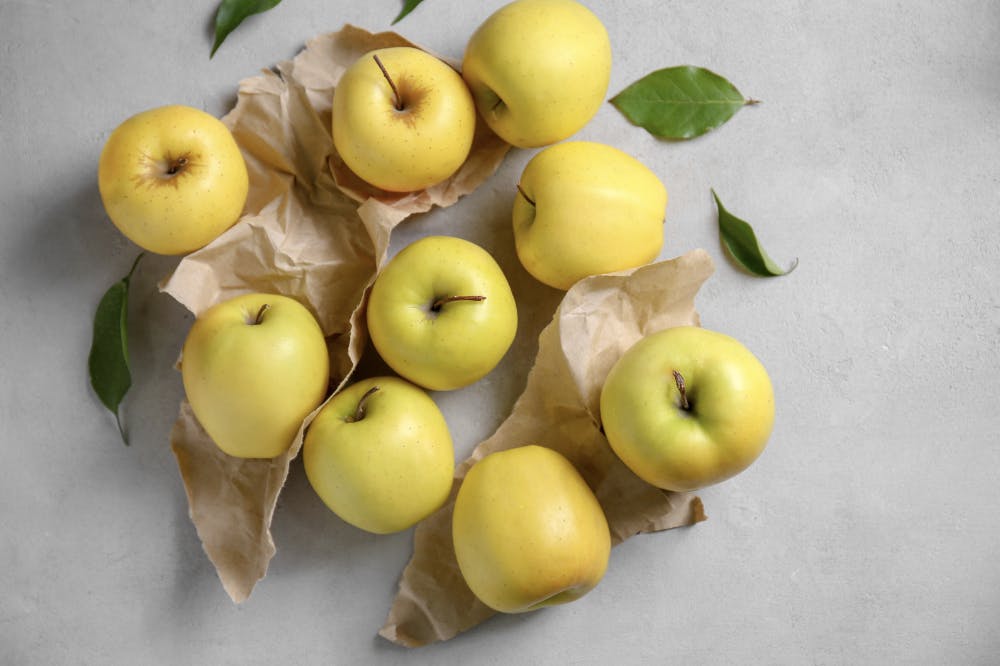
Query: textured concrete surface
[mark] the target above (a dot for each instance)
(868, 531)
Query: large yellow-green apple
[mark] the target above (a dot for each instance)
(172, 179)
(441, 313)
(403, 120)
(379, 455)
(538, 70)
(585, 208)
(528, 531)
(253, 368)
(687, 407)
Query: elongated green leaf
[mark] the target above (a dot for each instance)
(232, 12)
(408, 6)
(680, 102)
(108, 361)
(742, 243)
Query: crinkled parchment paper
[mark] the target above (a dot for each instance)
(313, 231)
(598, 319)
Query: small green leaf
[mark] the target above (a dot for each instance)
(408, 6)
(108, 361)
(232, 12)
(742, 243)
(680, 102)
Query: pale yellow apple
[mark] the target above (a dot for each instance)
(586, 208)
(441, 313)
(253, 368)
(687, 407)
(379, 455)
(172, 179)
(528, 531)
(538, 70)
(407, 128)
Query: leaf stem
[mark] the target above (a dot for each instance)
(121, 428)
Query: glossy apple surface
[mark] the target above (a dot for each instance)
(687, 438)
(253, 368)
(586, 208)
(528, 531)
(172, 179)
(379, 455)
(441, 313)
(538, 70)
(408, 138)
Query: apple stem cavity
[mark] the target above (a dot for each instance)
(359, 413)
(395, 91)
(679, 380)
(441, 302)
(525, 195)
(259, 319)
(176, 166)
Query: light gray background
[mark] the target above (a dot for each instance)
(867, 532)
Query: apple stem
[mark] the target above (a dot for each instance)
(359, 413)
(259, 319)
(176, 166)
(385, 73)
(679, 379)
(436, 307)
(525, 195)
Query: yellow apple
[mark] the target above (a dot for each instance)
(403, 120)
(538, 70)
(687, 407)
(172, 179)
(441, 313)
(528, 531)
(253, 368)
(586, 208)
(379, 455)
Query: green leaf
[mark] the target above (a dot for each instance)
(742, 243)
(232, 12)
(108, 361)
(680, 102)
(408, 6)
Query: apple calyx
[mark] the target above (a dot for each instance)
(395, 91)
(359, 413)
(679, 380)
(441, 302)
(525, 195)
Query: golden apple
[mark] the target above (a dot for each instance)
(253, 368)
(538, 70)
(172, 179)
(687, 407)
(379, 455)
(441, 313)
(585, 208)
(528, 531)
(403, 120)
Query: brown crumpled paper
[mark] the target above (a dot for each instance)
(313, 231)
(598, 319)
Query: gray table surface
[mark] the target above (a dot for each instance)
(867, 532)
